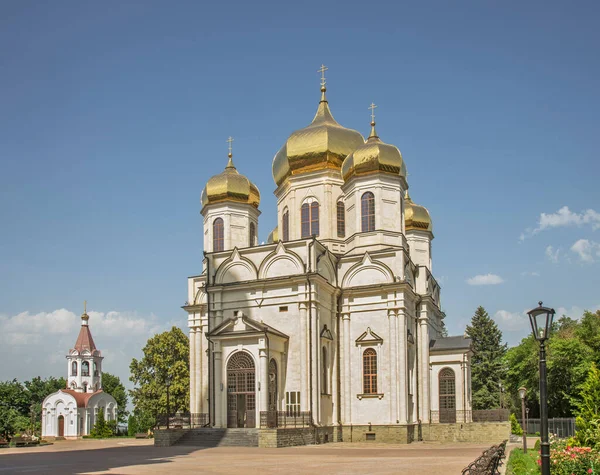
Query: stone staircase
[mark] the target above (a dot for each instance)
(208, 437)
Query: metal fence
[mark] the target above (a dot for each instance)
(563, 427)
(491, 415)
(183, 420)
(273, 419)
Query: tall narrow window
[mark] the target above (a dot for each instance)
(341, 219)
(218, 235)
(367, 208)
(286, 225)
(324, 374)
(309, 219)
(85, 369)
(95, 369)
(252, 235)
(369, 371)
(447, 383)
(74, 368)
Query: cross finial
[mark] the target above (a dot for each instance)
(372, 107)
(322, 70)
(85, 306)
(230, 141)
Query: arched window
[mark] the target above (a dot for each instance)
(252, 235)
(447, 383)
(85, 369)
(74, 368)
(369, 371)
(309, 217)
(218, 235)
(324, 373)
(341, 219)
(367, 209)
(286, 225)
(95, 369)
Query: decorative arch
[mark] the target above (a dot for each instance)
(236, 269)
(447, 395)
(279, 263)
(85, 368)
(241, 391)
(326, 268)
(366, 272)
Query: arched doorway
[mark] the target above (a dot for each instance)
(241, 397)
(61, 426)
(447, 387)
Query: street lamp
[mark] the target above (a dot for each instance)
(541, 324)
(522, 392)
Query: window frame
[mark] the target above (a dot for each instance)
(341, 219)
(252, 236)
(367, 212)
(369, 364)
(218, 235)
(285, 225)
(309, 219)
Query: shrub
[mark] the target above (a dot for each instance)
(574, 460)
(515, 427)
(521, 464)
(101, 429)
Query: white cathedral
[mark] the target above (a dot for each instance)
(72, 412)
(337, 319)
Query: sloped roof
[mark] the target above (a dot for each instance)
(450, 343)
(85, 340)
(81, 398)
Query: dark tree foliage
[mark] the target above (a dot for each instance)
(487, 364)
(112, 385)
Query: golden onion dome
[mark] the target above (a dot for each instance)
(416, 217)
(273, 236)
(321, 145)
(374, 156)
(230, 186)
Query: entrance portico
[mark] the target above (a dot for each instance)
(249, 362)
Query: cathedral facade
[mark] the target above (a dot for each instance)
(336, 321)
(72, 412)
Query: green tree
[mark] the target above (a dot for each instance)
(101, 429)
(112, 385)
(522, 363)
(165, 362)
(588, 332)
(588, 410)
(140, 421)
(487, 365)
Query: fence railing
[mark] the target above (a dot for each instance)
(563, 427)
(181, 420)
(453, 415)
(283, 419)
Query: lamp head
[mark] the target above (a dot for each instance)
(522, 392)
(541, 322)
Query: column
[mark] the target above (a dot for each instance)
(347, 398)
(424, 365)
(199, 354)
(393, 367)
(403, 363)
(218, 385)
(303, 363)
(193, 408)
(264, 375)
(316, 397)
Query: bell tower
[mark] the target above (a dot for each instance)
(84, 360)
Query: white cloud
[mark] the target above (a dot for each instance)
(564, 217)
(511, 320)
(487, 279)
(36, 344)
(587, 250)
(574, 312)
(552, 254)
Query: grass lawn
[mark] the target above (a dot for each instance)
(522, 464)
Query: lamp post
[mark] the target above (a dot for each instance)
(522, 392)
(541, 323)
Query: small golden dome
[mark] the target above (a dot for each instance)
(323, 144)
(273, 236)
(230, 186)
(374, 156)
(416, 217)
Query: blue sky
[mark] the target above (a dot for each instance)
(114, 116)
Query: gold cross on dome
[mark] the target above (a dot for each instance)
(85, 306)
(372, 107)
(322, 70)
(230, 141)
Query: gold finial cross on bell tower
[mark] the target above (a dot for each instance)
(372, 107)
(230, 141)
(322, 70)
(85, 306)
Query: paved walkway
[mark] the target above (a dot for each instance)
(129, 456)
